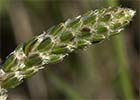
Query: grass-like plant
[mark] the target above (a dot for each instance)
(60, 40)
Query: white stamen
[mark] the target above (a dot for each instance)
(19, 54)
(19, 75)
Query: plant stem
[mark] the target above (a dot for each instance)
(121, 59)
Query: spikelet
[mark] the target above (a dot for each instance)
(60, 40)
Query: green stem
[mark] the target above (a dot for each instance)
(123, 67)
(121, 59)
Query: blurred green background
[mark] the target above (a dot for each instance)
(106, 71)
